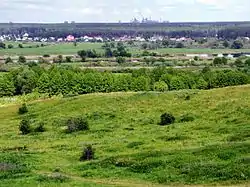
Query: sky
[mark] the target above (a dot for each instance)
(51, 11)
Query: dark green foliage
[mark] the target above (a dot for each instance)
(40, 128)
(68, 58)
(82, 54)
(46, 55)
(167, 119)
(88, 153)
(247, 62)
(20, 45)
(219, 61)
(58, 59)
(237, 45)
(8, 60)
(7, 87)
(179, 45)
(2, 45)
(73, 81)
(196, 58)
(25, 127)
(77, 124)
(10, 46)
(226, 44)
(120, 60)
(21, 59)
(187, 118)
(23, 109)
(239, 63)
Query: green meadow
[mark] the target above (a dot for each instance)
(209, 147)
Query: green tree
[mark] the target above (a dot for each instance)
(25, 80)
(120, 60)
(8, 60)
(20, 45)
(225, 44)
(160, 86)
(2, 45)
(22, 59)
(68, 59)
(108, 52)
(239, 63)
(177, 83)
(217, 61)
(247, 62)
(82, 54)
(179, 45)
(10, 46)
(7, 87)
(237, 44)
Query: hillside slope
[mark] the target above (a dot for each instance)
(131, 149)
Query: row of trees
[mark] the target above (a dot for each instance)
(75, 81)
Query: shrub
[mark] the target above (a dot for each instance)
(23, 109)
(120, 60)
(46, 55)
(68, 59)
(88, 153)
(25, 127)
(20, 45)
(187, 118)
(40, 128)
(10, 46)
(77, 124)
(167, 119)
(21, 59)
(8, 60)
(160, 86)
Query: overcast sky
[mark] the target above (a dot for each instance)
(124, 10)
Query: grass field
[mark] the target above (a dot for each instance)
(53, 49)
(70, 49)
(131, 149)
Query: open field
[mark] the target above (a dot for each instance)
(131, 149)
(53, 49)
(70, 49)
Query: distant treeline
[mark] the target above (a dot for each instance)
(68, 80)
(225, 30)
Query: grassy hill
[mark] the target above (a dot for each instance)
(131, 149)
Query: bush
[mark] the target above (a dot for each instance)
(187, 118)
(160, 86)
(120, 60)
(25, 127)
(68, 59)
(23, 109)
(8, 60)
(167, 119)
(77, 124)
(21, 59)
(88, 153)
(10, 46)
(20, 45)
(46, 55)
(40, 128)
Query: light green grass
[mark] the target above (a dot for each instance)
(52, 49)
(131, 149)
(70, 49)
